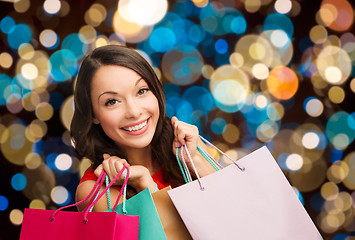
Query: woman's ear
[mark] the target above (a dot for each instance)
(95, 121)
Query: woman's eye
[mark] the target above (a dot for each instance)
(110, 102)
(142, 91)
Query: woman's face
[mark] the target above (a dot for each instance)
(123, 105)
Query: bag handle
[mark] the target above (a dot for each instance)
(185, 171)
(94, 191)
(221, 152)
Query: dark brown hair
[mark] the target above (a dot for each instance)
(90, 140)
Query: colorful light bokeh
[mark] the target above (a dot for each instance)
(246, 73)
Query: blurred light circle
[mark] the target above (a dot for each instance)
(63, 65)
(4, 203)
(182, 65)
(349, 180)
(237, 60)
(313, 106)
(277, 21)
(338, 131)
(26, 51)
(6, 24)
(17, 141)
(6, 60)
(162, 39)
(230, 87)
(229, 92)
(33, 160)
(21, 6)
(63, 162)
(294, 162)
(231, 133)
(67, 112)
(29, 71)
(51, 6)
(143, 12)
(252, 6)
(329, 191)
(132, 32)
(218, 125)
(238, 25)
(275, 111)
(338, 171)
(87, 34)
(261, 101)
(310, 140)
(337, 15)
(282, 82)
(221, 46)
(336, 94)
(37, 204)
(49, 39)
(318, 34)
(260, 71)
(334, 65)
(332, 74)
(267, 130)
(44, 111)
(18, 181)
(16, 217)
(95, 15)
(283, 6)
(279, 38)
(18, 35)
(74, 44)
(200, 98)
(59, 195)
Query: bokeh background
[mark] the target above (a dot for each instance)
(246, 72)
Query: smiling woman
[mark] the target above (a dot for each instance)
(120, 120)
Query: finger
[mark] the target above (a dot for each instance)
(106, 155)
(174, 120)
(98, 170)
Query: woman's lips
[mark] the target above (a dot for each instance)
(137, 128)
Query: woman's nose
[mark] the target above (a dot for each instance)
(133, 109)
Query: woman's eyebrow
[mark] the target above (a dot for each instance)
(108, 92)
(141, 78)
(111, 92)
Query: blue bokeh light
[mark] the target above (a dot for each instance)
(6, 24)
(4, 203)
(63, 65)
(18, 181)
(18, 35)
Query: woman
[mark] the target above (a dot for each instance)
(120, 119)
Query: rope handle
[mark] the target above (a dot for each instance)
(184, 169)
(95, 189)
(241, 168)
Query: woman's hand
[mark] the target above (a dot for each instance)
(185, 133)
(188, 134)
(139, 176)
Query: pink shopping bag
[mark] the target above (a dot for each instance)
(250, 199)
(41, 224)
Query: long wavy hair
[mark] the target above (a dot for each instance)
(91, 141)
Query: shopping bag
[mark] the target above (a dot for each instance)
(141, 204)
(41, 224)
(173, 225)
(249, 199)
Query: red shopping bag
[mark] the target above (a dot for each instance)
(58, 225)
(250, 199)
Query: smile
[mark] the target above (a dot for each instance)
(137, 127)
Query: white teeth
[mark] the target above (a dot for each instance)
(137, 127)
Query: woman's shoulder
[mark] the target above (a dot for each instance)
(88, 175)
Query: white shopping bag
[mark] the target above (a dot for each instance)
(257, 203)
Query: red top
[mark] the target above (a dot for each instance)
(157, 178)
